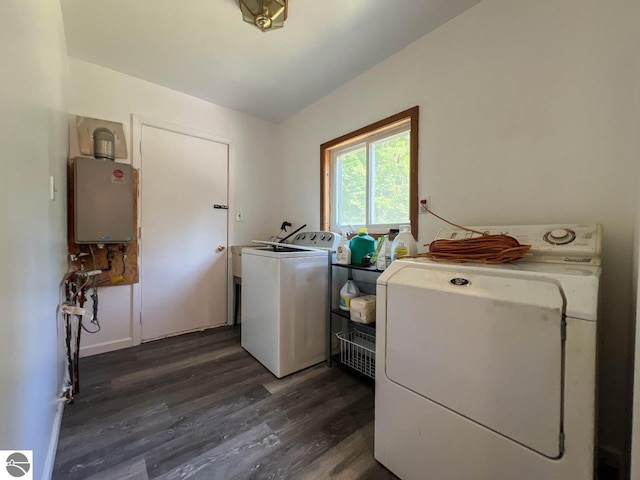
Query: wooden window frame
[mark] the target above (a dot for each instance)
(326, 175)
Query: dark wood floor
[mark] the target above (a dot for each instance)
(199, 407)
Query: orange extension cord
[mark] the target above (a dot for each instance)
(484, 249)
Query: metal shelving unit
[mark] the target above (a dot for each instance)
(357, 342)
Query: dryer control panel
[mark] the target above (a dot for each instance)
(579, 244)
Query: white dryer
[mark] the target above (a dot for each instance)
(284, 301)
(488, 372)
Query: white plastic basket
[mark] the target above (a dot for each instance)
(358, 351)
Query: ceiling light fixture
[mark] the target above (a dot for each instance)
(264, 14)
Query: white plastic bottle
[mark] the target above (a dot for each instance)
(387, 253)
(347, 292)
(343, 252)
(404, 244)
(384, 256)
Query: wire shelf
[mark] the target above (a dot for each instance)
(358, 351)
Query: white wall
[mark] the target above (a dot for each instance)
(527, 116)
(33, 146)
(102, 93)
(635, 433)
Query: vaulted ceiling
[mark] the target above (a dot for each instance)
(204, 49)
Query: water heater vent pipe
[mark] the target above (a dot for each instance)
(104, 144)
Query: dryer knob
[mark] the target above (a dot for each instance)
(312, 236)
(560, 236)
(322, 236)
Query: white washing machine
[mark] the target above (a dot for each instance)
(284, 301)
(488, 372)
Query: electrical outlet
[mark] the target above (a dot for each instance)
(239, 216)
(425, 202)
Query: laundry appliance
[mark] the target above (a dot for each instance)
(487, 372)
(284, 301)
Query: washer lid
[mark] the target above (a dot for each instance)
(285, 247)
(285, 252)
(487, 348)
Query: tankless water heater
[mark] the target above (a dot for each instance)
(103, 201)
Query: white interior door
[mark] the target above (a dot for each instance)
(183, 256)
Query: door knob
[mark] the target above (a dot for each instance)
(221, 248)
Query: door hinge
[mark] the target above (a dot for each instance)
(140, 144)
(140, 318)
(139, 232)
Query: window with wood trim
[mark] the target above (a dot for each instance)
(369, 177)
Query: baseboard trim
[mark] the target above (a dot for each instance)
(106, 347)
(47, 473)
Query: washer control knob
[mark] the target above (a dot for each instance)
(298, 237)
(560, 236)
(322, 237)
(312, 236)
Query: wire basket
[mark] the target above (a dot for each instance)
(358, 351)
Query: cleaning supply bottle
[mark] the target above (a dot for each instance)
(374, 257)
(404, 244)
(343, 252)
(361, 245)
(384, 256)
(347, 292)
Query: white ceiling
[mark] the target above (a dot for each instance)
(203, 48)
